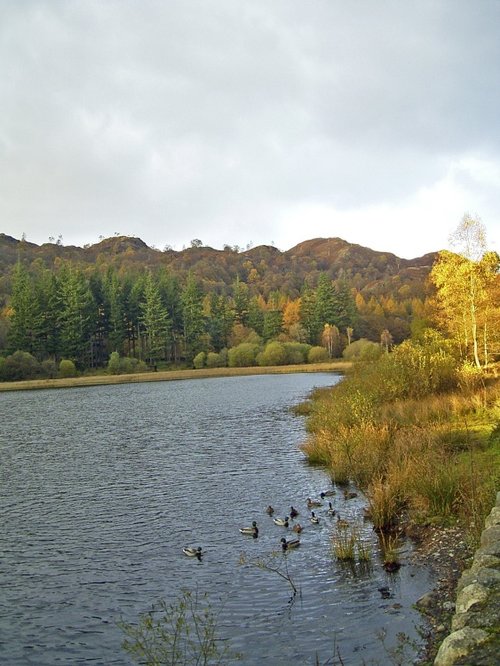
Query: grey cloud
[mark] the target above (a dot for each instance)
(180, 116)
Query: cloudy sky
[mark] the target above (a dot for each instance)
(250, 121)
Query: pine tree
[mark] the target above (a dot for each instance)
(78, 315)
(220, 320)
(241, 302)
(193, 319)
(25, 332)
(115, 306)
(50, 305)
(155, 321)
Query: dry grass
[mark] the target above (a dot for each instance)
(433, 459)
(390, 545)
(384, 502)
(170, 375)
(347, 545)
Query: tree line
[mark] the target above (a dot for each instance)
(151, 316)
(155, 317)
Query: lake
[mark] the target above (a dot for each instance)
(101, 488)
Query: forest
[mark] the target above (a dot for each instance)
(124, 306)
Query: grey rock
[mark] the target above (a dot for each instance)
(426, 601)
(491, 536)
(459, 644)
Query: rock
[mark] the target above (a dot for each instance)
(459, 644)
(485, 560)
(470, 596)
(484, 576)
(491, 536)
(494, 518)
(426, 601)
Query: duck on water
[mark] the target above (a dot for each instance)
(289, 545)
(253, 530)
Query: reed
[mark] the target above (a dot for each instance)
(364, 551)
(436, 484)
(390, 545)
(384, 502)
(344, 545)
(347, 545)
(416, 453)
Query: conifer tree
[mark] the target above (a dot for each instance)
(155, 321)
(78, 315)
(25, 320)
(193, 319)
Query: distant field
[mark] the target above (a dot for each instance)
(170, 375)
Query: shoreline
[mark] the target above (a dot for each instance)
(170, 375)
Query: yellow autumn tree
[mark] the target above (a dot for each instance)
(466, 284)
(291, 314)
(330, 338)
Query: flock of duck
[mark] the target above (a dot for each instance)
(287, 544)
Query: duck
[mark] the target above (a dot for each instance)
(293, 512)
(349, 495)
(297, 528)
(314, 518)
(311, 503)
(282, 522)
(253, 530)
(288, 545)
(331, 511)
(269, 510)
(327, 493)
(193, 552)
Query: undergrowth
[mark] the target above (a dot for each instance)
(418, 440)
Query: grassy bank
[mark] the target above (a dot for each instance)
(170, 375)
(421, 439)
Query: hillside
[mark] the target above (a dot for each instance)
(263, 268)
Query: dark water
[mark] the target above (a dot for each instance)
(101, 487)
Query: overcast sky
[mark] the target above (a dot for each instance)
(250, 121)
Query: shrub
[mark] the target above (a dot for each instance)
(130, 365)
(182, 632)
(213, 360)
(114, 363)
(20, 365)
(470, 377)
(67, 368)
(317, 355)
(243, 355)
(199, 360)
(223, 358)
(49, 368)
(273, 354)
(362, 350)
(296, 352)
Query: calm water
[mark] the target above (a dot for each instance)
(101, 487)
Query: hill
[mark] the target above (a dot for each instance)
(263, 268)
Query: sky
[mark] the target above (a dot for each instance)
(251, 122)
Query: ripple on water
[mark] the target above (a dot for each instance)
(103, 487)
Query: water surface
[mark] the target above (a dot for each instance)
(102, 487)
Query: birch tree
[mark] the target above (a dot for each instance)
(465, 285)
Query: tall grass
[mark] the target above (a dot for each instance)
(407, 432)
